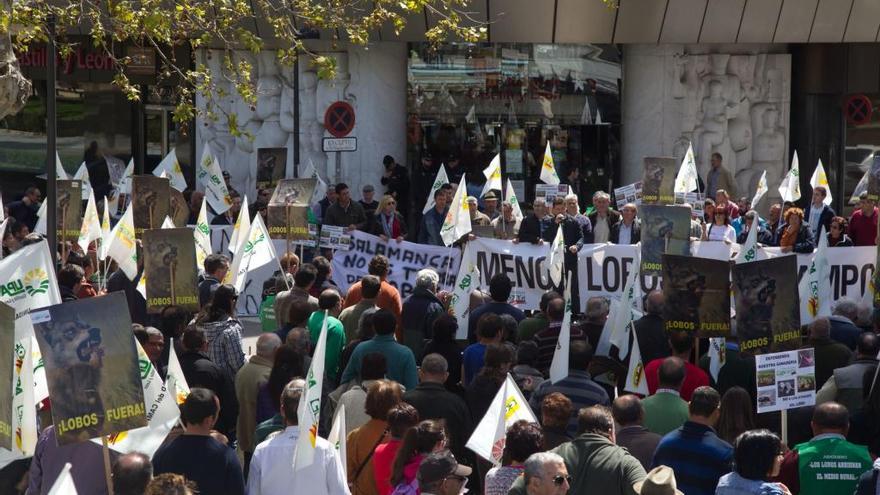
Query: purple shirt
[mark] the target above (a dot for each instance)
(86, 459)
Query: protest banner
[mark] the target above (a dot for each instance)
(288, 211)
(548, 192)
(406, 259)
(68, 212)
(658, 181)
(767, 305)
(786, 380)
(697, 294)
(692, 198)
(631, 193)
(665, 230)
(91, 367)
(178, 209)
(336, 238)
(7, 369)
(522, 263)
(874, 180)
(271, 166)
(170, 269)
(150, 199)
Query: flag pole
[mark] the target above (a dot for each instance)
(783, 416)
(107, 477)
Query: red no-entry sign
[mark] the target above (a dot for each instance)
(858, 109)
(339, 119)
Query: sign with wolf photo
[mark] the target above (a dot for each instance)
(91, 367)
(7, 343)
(767, 305)
(697, 293)
(288, 212)
(178, 209)
(271, 165)
(150, 201)
(549, 191)
(335, 237)
(874, 180)
(665, 230)
(631, 193)
(68, 211)
(658, 181)
(170, 269)
(786, 380)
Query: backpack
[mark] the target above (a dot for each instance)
(411, 488)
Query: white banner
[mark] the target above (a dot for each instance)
(406, 259)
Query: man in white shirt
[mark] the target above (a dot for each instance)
(271, 470)
(603, 217)
(818, 214)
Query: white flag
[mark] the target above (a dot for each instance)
(171, 168)
(105, 231)
(621, 326)
(242, 226)
(59, 168)
(559, 365)
(337, 436)
(439, 181)
(819, 178)
(790, 189)
(749, 250)
(24, 403)
(760, 190)
(508, 407)
(548, 169)
(82, 175)
(861, 187)
(493, 175)
(717, 356)
(202, 237)
(90, 230)
(815, 285)
(209, 174)
(510, 197)
(125, 183)
(309, 411)
(42, 217)
(686, 180)
(309, 172)
(35, 285)
(465, 283)
(603, 347)
(162, 414)
(458, 219)
(256, 251)
(64, 483)
(122, 247)
(635, 373)
(176, 380)
(555, 261)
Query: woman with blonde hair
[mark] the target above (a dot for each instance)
(388, 223)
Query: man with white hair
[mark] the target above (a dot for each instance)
(506, 225)
(247, 384)
(603, 217)
(628, 229)
(545, 474)
(533, 227)
(477, 217)
(572, 209)
(844, 313)
(420, 310)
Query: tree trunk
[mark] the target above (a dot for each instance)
(14, 87)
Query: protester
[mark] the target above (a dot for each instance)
(216, 266)
(757, 459)
(153, 343)
(324, 204)
(330, 303)
(287, 364)
(441, 474)
(429, 230)
(506, 225)
(719, 177)
(222, 330)
(603, 217)
(302, 283)
(719, 229)
(477, 217)
(845, 386)
(827, 464)
(722, 202)
(419, 441)
(324, 278)
(696, 454)
(345, 212)
(86, 459)
(650, 329)
(131, 474)
(482, 389)
(433, 401)
(388, 297)
(170, 484)
(500, 287)
(844, 312)
(752, 220)
(682, 344)
(350, 317)
(556, 412)
(524, 373)
(578, 385)
(25, 210)
(665, 410)
(85, 289)
(361, 443)
(200, 371)
(738, 369)
(401, 418)
(420, 310)
(547, 339)
(533, 227)
(297, 319)
(401, 362)
(795, 234)
(523, 439)
(818, 214)
(489, 332)
(863, 222)
(70, 279)
(538, 321)
(829, 355)
(628, 230)
(367, 202)
(396, 182)
(387, 222)
(737, 414)
(374, 367)
(196, 454)
(630, 415)
(247, 384)
(443, 343)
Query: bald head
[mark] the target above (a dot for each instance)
(131, 473)
(267, 344)
(654, 302)
(820, 328)
(627, 410)
(830, 417)
(299, 339)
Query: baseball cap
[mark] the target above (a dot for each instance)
(441, 465)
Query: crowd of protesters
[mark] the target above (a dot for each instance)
(413, 394)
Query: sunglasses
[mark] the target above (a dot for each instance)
(560, 480)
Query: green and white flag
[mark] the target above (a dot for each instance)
(337, 436)
(124, 185)
(621, 326)
(686, 180)
(559, 365)
(458, 219)
(309, 411)
(176, 381)
(548, 169)
(510, 197)
(82, 175)
(241, 227)
(105, 231)
(202, 237)
(815, 286)
(760, 190)
(465, 283)
(790, 189)
(256, 251)
(861, 187)
(554, 263)
(636, 382)
(90, 230)
(820, 178)
(122, 247)
(717, 356)
(42, 218)
(210, 175)
(439, 181)
(749, 249)
(171, 168)
(490, 435)
(493, 176)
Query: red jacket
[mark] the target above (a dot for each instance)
(862, 229)
(693, 377)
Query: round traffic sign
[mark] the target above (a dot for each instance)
(339, 119)
(858, 109)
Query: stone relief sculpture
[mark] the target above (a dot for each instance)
(735, 105)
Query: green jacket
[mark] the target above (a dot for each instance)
(596, 466)
(664, 412)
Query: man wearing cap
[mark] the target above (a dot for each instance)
(441, 474)
(477, 217)
(368, 201)
(490, 205)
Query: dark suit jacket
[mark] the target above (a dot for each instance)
(613, 217)
(634, 238)
(433, 401)
(824, 219)
(640, 442)
(653, 342)
(530, 229)
(572, 233)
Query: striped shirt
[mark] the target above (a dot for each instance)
(579, 387)
(546, 340)
(698, 457)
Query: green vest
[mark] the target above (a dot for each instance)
(831, 466)
(267, 314)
